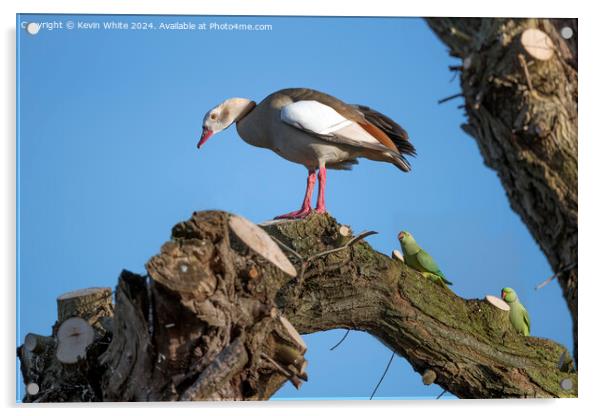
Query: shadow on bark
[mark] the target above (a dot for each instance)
(519, 83)
(218, 314)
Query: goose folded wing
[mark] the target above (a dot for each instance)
(324, 122)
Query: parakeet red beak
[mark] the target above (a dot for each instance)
(400, 236)
(503, 295)
(204, 137)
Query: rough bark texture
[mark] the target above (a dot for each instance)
(210, 323)
(523, 114)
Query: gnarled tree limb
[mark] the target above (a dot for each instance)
(209, 324)
(519, 80)
(469, 344)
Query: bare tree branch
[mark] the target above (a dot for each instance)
(219, 328)
(519, 80)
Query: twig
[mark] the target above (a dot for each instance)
(441, 395)
(276, 365)
(451, 97)
(349, 243)
(455, 69)
(384, 374)
(289, 249)
(555, 275)
(305, 262)
(292, 377)
(341, 341)
(523, 64)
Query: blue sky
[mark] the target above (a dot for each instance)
(108, 122)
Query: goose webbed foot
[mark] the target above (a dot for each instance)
(295, 215)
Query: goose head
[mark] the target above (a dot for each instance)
(223, 116)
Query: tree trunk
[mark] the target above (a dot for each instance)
(216, 319)
(519, 81)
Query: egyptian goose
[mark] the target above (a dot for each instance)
(314, 129)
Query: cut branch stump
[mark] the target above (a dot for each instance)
(214, 330)
(520, 84)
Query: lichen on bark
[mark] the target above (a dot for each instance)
(218, 328)
(522, 113)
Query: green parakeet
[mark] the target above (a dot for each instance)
(519, 317)
(420, 260)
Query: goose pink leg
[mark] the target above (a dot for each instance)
(306, 206)
(321, 205)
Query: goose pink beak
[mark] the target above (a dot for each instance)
(204, 137)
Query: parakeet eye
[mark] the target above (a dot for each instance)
(213, 116)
